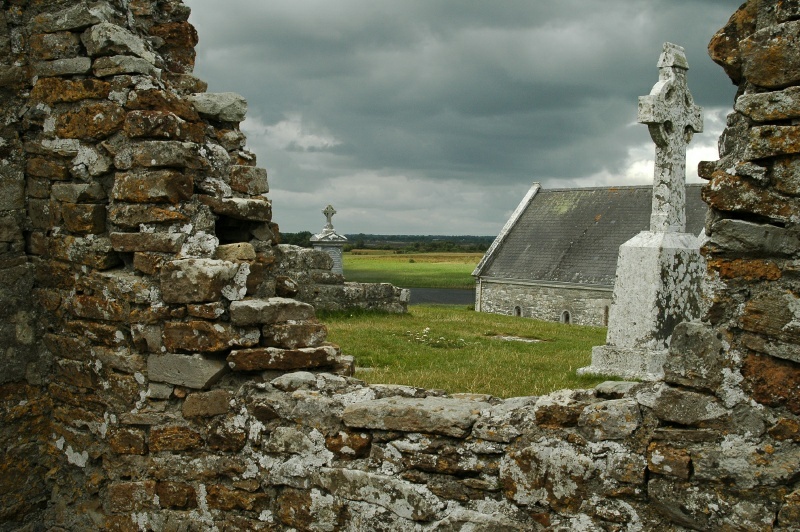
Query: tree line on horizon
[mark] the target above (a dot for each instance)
(401, 243)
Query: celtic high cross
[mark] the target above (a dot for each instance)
(329, 212)
(672, 118)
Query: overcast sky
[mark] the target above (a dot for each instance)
(435, 116)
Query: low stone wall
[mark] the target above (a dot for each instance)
(319, 285)
(585, 306)
(174, 380)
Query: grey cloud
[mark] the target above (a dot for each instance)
(463, 90)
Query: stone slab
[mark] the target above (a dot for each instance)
(430, 415)
(272, 310)
(195, 371)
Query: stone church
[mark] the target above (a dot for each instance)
(555, 259)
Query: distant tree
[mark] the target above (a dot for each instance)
(302, 239)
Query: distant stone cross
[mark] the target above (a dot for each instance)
(672, 118)
(329, 212)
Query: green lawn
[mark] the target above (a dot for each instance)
(456, 349)
(420, 270)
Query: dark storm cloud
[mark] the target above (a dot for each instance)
(471, 94)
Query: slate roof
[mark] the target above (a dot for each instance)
(573, 235)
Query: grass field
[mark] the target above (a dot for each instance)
(420, 270)
(457, 350)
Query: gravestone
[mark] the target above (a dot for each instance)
(330, 241)
(659, 272)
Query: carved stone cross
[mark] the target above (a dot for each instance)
(329, 212)
(672, 118)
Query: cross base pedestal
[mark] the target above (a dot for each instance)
(626, 362)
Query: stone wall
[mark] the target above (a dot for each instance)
(177, 403)
(548, 302)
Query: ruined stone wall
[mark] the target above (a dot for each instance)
(176, 339)
(586, 306)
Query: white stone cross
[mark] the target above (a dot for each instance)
(672, 118)
(329, 212)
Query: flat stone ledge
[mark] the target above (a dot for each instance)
(432, 415)
(223, 106)
(272, 310)
(194, 371)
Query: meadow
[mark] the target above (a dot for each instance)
(459, 350)
(411, 270)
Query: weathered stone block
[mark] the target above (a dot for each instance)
(43, 214)
(272, 310)
(196, 280)
(158, 100)
(174, 438)
(206, 311)
(156, 186)
(196, 371)
(733, 194)
(57, 90)
(433, 415)
(226, 437)
(695, 357)
(63, 67)
(98, 308)
(772, 381)
(610, 420)
(680, 406)
(154, 153)
(740, 237)
(236, 252)
(221, 498)
(95, 252)
(667, 460)
(257, 210)
(222, 106)
(768, 58)
(185, 83)
(157, 124)
(127, 440)
(48, 46)
(249, 180)
(291, 335)
(771, 141)
(126, 497)
(207, 404)
(106, 38)
(176, 495)
(159, 242)
(286, 286)
(120, 359)
(123, 64)
(272, 358)
(12, 193)
(349, 444)
(177, 34)
(774, 314)
(79, 192)
(84, 218)
(207, 337)
(403, 498)
(41, 167)
(72, 18)
(132, 216)
(770, 106)
(549, 472)
(92, 121)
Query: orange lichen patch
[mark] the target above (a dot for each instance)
(746, 270)
(57, 90)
